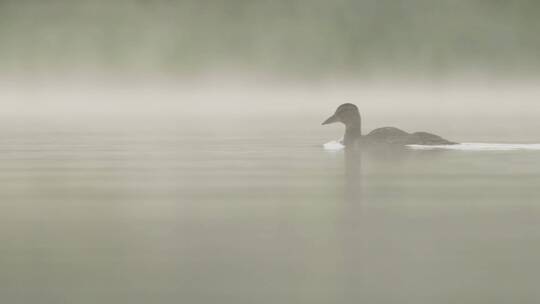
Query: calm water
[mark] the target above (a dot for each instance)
(161, 217)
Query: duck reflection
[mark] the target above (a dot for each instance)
(353, 177)
(362, 222)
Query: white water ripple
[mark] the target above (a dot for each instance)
(333, 146)
(479, 147)
(337, 145)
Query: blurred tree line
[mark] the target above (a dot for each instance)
(297, 37)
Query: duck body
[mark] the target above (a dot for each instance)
(349, 115)
(395, 136)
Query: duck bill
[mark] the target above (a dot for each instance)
(331, 119)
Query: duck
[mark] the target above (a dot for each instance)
(349, 115)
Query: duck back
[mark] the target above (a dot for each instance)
(392, 135)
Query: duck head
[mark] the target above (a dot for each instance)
(347, 114)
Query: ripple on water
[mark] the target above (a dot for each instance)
(479, 147)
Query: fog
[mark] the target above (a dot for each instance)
(158, 151)
(468, 70)
(464, 111)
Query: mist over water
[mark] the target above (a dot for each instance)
(463, 111)
(467, 70)
(172, 151)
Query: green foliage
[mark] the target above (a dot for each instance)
(304, 37)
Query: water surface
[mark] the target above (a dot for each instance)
(163, 217)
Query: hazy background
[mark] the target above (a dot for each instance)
(304, 38)
(465, 69)
(170, 152)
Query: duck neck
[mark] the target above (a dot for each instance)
(353, 131)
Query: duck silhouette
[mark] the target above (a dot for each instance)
(349, 115)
